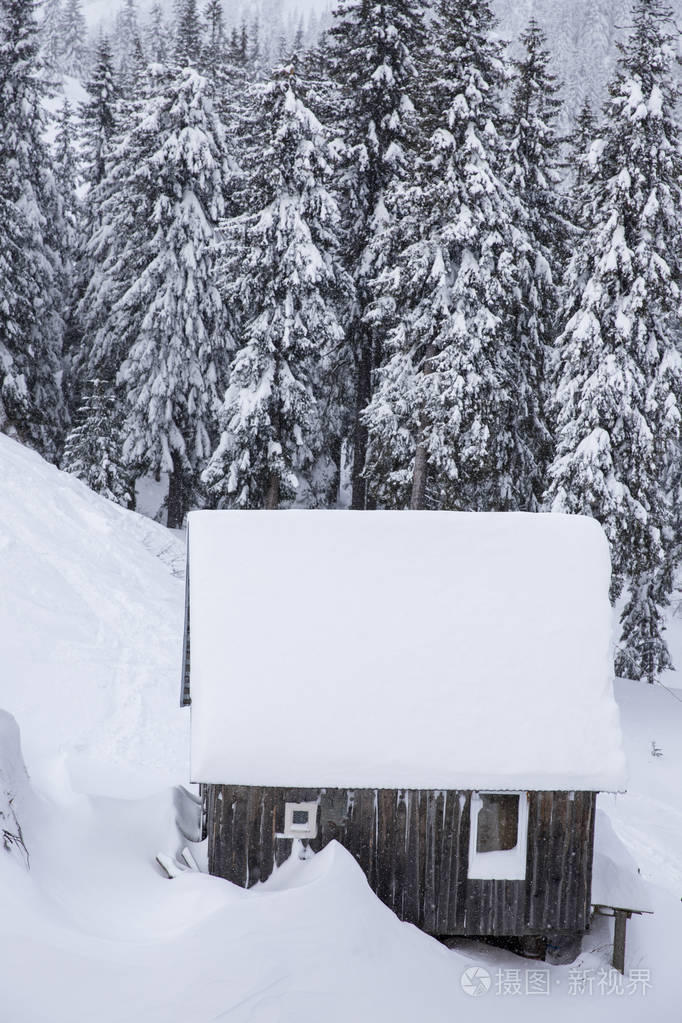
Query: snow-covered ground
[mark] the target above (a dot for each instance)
(90, 631)
(91, 613)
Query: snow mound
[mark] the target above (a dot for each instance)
(90, 626)
(90, 629)
(13, 790)
(616, 880)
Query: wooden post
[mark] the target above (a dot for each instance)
(621, 917)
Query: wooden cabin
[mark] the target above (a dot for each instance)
(432, 690)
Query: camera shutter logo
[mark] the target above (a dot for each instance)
(475, 981)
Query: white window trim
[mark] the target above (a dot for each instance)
(292, 830)
(500, 864)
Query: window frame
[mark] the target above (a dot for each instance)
(498, 864)
(308, 830)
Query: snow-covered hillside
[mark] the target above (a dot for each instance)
(90, 629)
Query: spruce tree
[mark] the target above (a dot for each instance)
(442, 421)
(98, 113)
(93, 447)
(126, 35)
(73, 49)
(619, 379)
(65, 164)
(580, 139)
(99, 118)
(165, 329)
(243, 47)
(157, 36)
(66, 160)
(534, 178)
(254, 53)
(51, 34)
(188, 35)
(372, 57)
(214, 50)
(31, 231)
(284, 281)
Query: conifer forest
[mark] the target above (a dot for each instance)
(393, 254)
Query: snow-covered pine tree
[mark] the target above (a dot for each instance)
(220, 62)
(214, 49)
(169, 323)
(580, 139)
(111, 216)
(99, 117)
(534, 178)
(157, 35)
(619, 385)
(243, 46)
(73, 48)
(125, 36)
(372, 56)
(65, 164)
(298, 44)
(283, 277)
(188, 35)
(17, 289)
(65, 160)
(93, 447)
(254, 53)
(596, 41)
(139, 74)
(442, 421)
(98, 114)
(31, 326)
(51, 34)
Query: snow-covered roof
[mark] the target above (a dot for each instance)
(401, 650)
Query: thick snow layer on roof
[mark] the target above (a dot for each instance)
(402, 650)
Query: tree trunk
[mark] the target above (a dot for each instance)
(419, 477)
(176, 495)
(419, 474)
(362, 396)
(272, 495)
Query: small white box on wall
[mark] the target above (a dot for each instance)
(300, 820)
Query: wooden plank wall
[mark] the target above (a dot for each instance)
(560, 852)
(413, 847)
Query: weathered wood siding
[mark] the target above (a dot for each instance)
(559, 869)
(413, 847)
(185, 693)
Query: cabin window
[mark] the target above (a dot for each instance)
(498, 822)
(300, 820)
(498, 836)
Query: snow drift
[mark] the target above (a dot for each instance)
(13, 790)
(90, 627)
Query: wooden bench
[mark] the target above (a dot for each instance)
(621, 915)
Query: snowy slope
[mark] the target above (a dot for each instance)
(102, 929)
(90, 627)
(90, 624)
